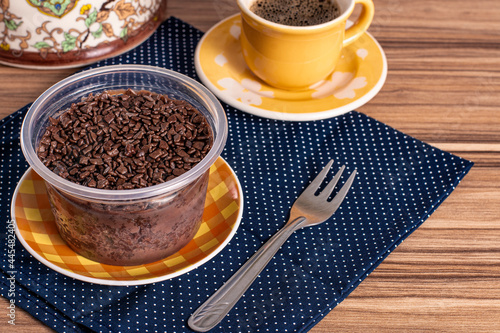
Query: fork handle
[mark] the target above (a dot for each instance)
(210, 313)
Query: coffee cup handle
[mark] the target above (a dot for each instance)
(363, 22)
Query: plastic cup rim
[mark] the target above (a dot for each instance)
(220, 123)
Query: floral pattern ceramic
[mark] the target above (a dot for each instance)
(57, 8)
(68, 33)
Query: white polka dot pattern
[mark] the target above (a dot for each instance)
(400, 182)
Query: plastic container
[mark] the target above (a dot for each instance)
(126, 227)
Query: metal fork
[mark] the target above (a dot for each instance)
(308, 210)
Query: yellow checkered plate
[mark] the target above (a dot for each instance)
(358, 77)
(36, 230)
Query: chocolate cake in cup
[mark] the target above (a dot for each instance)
(137, 194)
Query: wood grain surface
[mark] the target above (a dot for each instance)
(443, 87)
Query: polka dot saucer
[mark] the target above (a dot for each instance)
(36, 230)
(358, 77)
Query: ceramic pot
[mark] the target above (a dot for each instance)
(70, 33)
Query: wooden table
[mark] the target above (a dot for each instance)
(443, 87)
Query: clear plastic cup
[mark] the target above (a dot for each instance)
(135, 226)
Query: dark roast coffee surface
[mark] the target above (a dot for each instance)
(296, 12)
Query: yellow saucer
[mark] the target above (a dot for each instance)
(36, 230)
(358, 77)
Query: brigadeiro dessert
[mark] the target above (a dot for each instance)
(118, 141)
(125, 141)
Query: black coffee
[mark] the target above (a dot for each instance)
(296, 12)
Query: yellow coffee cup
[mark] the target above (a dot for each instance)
(297, 57)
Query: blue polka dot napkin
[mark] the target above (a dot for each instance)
(400, 182)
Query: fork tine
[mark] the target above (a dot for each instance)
(339, 197)
(331, 185)
(313, 187)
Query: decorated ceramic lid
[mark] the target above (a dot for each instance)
(72, 33)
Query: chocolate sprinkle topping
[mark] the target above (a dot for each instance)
(125, 141)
